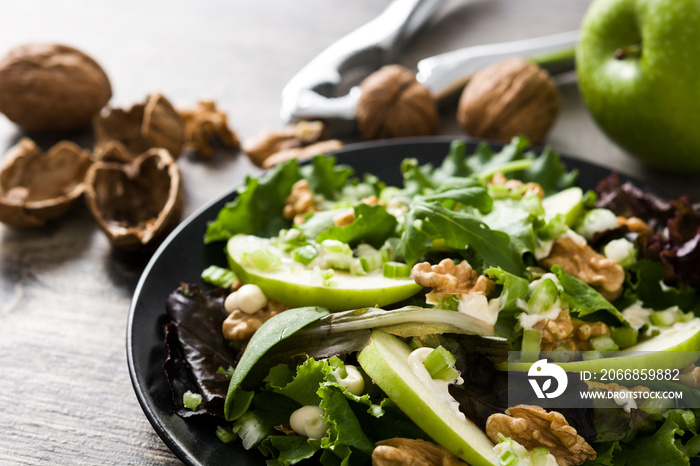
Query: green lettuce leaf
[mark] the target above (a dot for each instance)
(288, 449)
(372, 225)
(257, 210)
(644, 282)
(302, 388)
(509, 216)
(514, 287)
(659, 449)
(584, 299)
(325, 176)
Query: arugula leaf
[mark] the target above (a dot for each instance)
(485, 160)
(509, 216)
(454, 164)
(325, 177)
(549, 172)
(459, 230)
(470, 195)
(417, 179)
(582, 298)
(372, 225)
(257, 210)
(514, 287)
(268, 335)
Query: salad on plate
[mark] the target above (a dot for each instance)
(361, 323)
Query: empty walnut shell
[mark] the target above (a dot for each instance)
(393, 104)
(154, 123)
(50, 87)
(509, 98)
(36, 187)
(136, 204)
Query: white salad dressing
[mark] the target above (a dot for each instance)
(480, 307)
(624, 399)
(437, 386)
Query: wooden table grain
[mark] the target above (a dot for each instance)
(65, 293)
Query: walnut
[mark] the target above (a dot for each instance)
(203, 124)
(581, 261)
(240, 326)
(410, 452)
(509, 98)
(303, 153)
(144, 126)
(532, 427)
(517, 185)
(267, 143)
(448, 278)
(51, 87)
(393, 104)
(136, 204)
(299, 202)
(36, 187)
(635, 225)
(572, 335)
(345, 218)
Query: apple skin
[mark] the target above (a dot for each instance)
(648, 103)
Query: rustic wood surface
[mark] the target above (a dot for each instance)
(65, 294)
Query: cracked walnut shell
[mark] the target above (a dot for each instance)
(36, 187)
(507, 99)
(203, 125)
(144, 126)
(136, 204)
(393, 104)
(51, 87)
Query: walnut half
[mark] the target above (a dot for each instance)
(450, 278)
(410, 452)
(581, 261)
(532, 427)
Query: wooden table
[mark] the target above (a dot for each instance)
(65, 293)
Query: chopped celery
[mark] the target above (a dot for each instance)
(532, 203)
(604, 343)
(544, 296)
(591, 355)
(250, 429)
(218, 276)
(450, 303)
(372, 261)
(226, 434)
(305, 254)
(264, 259)
(356, 267)
(539, 456)
(322, 277)
(191, 400)
(667, 318)
(498, 191)
(337, 254)
(440, 364)
(532, 339)
(624, 336)
(393, 269)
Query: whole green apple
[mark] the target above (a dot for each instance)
(638, 65)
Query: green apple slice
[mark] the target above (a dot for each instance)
(673, 348)
(568, 203)
(385, 360)
(295, 285)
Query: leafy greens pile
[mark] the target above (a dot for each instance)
(448, 212)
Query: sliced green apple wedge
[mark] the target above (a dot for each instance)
(385, 360)
(568, 203)
(673, 348)
(290, 283)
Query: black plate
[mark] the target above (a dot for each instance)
(182, 257)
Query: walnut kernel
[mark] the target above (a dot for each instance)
(532, 427)
(413, 452)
